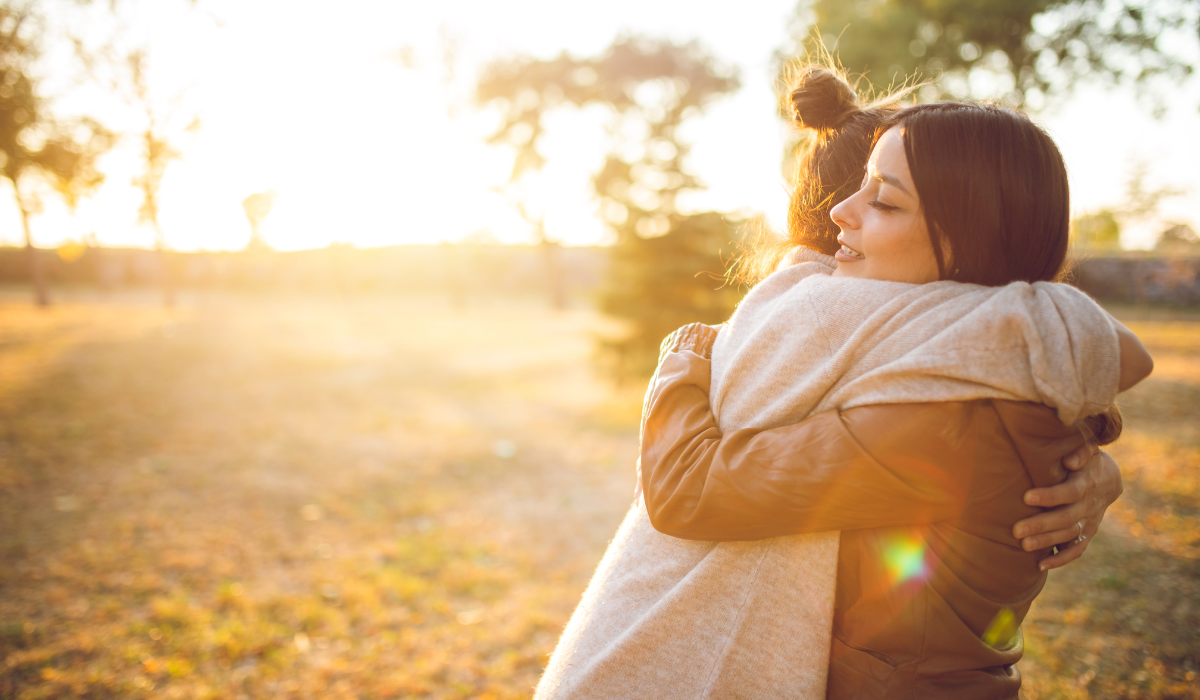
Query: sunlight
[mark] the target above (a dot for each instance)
(355, 118)
(365, 138)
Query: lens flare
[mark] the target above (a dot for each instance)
(1001, 630)
(904, 558)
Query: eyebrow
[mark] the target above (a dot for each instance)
(893, 181)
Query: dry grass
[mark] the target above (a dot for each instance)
(273, 499)
(382, 498)
(1124, 622)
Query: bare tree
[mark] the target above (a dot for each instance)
(157, 153)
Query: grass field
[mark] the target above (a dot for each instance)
(383, 498)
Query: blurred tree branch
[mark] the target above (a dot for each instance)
(123, 67)
(35, 144)
(1141, 200)
(651, 87)
(1024, 51)
(157, 153)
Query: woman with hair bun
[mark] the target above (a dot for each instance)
(907, 394)
(841, 131)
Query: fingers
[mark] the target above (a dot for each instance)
(1082, 498)
(1046, 524)
(1070, 491)
(1065, 556)
(1058, 536)
(1080, 457)
(1057, 527)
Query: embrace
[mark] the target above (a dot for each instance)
(855, 487)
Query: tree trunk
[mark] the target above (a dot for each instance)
(454, 275)
(168, 277)
(165, 268)
(553, 272)
(37, 274)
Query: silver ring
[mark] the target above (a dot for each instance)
(1080, 526)
(1081, 538)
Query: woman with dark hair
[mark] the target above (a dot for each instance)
(667, 617)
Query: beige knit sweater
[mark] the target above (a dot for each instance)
(670, 618)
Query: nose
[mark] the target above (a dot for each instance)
(843, 213)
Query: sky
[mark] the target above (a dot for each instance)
(342, 110)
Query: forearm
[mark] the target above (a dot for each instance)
(814, 476)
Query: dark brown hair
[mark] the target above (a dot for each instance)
(831, 167)
(993, 188)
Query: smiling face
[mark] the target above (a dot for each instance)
(884, 235)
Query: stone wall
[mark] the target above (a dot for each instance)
(1140, 279)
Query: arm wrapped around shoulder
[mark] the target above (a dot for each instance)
(1045, 343)
(1078, 340)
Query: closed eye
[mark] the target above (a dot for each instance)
(881, 206)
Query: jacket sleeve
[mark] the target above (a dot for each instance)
(871, 466)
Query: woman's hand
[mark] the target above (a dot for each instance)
(1092, 486)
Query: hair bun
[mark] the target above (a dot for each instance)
(822, 99)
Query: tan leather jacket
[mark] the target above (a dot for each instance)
(932, 586)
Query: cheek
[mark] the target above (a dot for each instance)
(887, 236)
(922, 261)
(901, 251)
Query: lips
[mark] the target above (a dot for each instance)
(848, 251)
